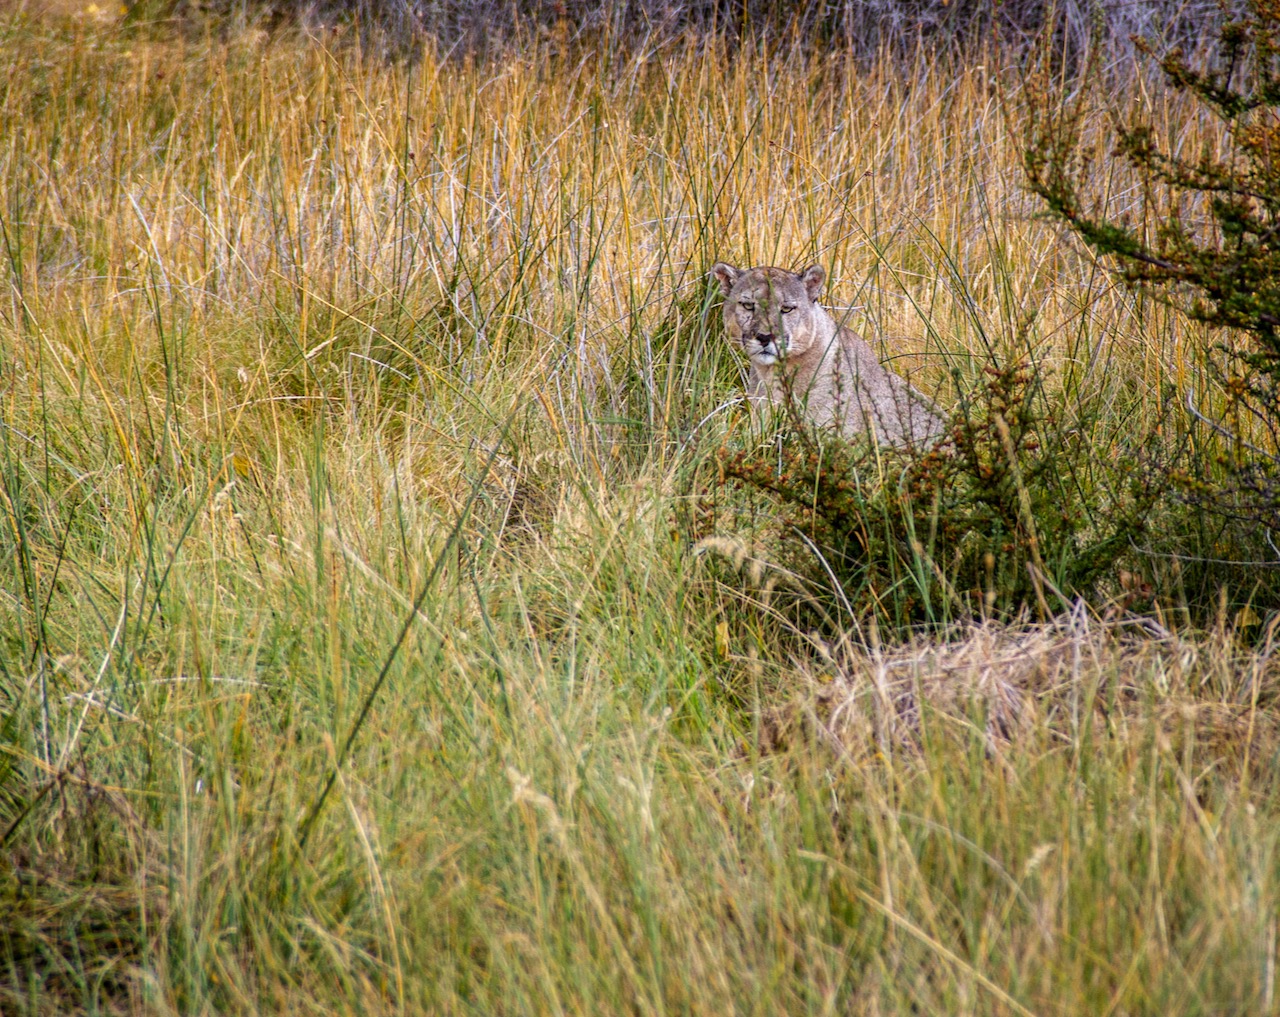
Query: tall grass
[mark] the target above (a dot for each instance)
(352, 658)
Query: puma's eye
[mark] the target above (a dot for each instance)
(788, 308)
(747, 305)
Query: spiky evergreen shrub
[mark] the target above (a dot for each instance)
(1204, 238)
(1009, 512)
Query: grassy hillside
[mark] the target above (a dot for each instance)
(379, 632)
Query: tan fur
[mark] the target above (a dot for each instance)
(797, 350)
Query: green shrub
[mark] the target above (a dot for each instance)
(1015, 509)
(1205, 237)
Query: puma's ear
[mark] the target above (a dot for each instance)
(813, 277)
(727, 274)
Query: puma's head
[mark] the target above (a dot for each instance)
(770, 312)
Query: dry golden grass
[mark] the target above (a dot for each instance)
(1029, 686)
(330, 383)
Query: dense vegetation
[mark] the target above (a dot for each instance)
(862, 29)
(1206, 238)
(400, 614)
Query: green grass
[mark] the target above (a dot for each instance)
(352, 416)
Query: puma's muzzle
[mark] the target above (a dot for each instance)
(768, 347)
